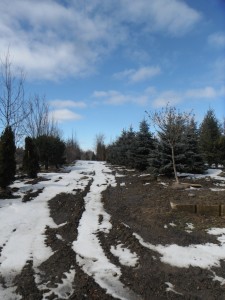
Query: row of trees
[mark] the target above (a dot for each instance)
(177, 144)
(30, 137)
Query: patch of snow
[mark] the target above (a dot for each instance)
(190, 226)
(172, 224)
(59, 237)
(218, 278)
(147, 183)
(201, 255)
(9, 294)
(163, 183)
(90, 255)
(64, 290)
(219, 184)
(165, 226)
(213, 173)
(217, 190)
(23, 224)
(125, 225)
(123, 184)
(171, 288)
(119, 175)
(126, 257)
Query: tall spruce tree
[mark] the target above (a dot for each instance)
(210, 132)
(193, 162)
(131, 147)
(30, 159)
(7, 157)
(220, 146)
(144, 144)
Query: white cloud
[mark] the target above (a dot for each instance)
(113, 97)
(206, 92)
(217, 39)
(62, 115)
(68, 103)
(51, 40)
(172, 16)
(140, 74)
(167, 97)
(173, 97)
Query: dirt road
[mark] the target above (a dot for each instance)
(141, 219)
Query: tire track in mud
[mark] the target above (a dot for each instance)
(60, 276)
(66, 210)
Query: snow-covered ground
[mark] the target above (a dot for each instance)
(22, 234)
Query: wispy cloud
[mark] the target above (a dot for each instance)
(173, 97)
(217, 39)
(140, 74)
(68, 103)
(206, 92)
(52, 40)
(113, 97)
(171, 16)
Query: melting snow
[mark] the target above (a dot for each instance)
(126, 257)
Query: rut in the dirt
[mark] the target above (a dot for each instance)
(66, 210)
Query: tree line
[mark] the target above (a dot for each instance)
(177, 144)
(28, 122)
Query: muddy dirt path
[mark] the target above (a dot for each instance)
(137, 209)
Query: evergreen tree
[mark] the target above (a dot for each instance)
(170, 126)
(220, 146)
(131, 147)
(193, 162)
(7, 157)
(51, 150)
(210, 133)
(30, 159)
(154, 159)
(123, 150)
(144, 145)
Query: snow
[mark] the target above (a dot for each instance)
(126, 257)
(171, 288)
(23, 224)
(90, 255)
(63, 290)
(212, 173)
(204, 256)
(22, 235)
(189, 227)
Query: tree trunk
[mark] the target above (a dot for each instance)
(174, 164)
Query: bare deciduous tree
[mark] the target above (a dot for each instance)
(100, 147)
(73, 150)
(39, 122)
(13, 109)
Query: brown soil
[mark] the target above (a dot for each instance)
(140, 206)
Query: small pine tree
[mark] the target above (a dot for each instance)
(193, 162)
(7, 157)
(30, 159)
(144, 144)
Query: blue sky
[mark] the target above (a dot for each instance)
(102, 64)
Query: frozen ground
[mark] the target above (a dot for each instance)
(23, 237)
